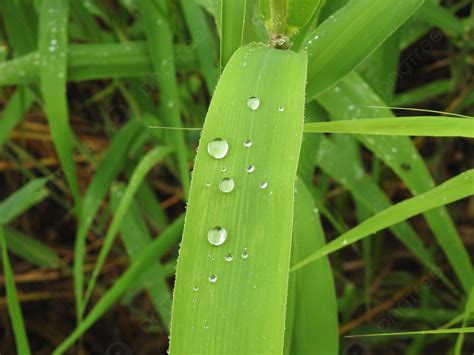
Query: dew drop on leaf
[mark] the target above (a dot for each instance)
(250, 168)
(195, 288)
(263, 185)
(228, 257)
(217, 235)
(253, 103)
(281, 109)
(212, 278)
(218, 148)
(247, 143)
(245, 253)
(227, 185)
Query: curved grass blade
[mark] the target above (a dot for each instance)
(315, 328)
(52, 46)
(240, 304)
(349, 36)
(14, 309)
(14, 112)
(114, 160)
(465, 330)
(349, 99)
(160, 46)
(232, 28)
(138, 268)
(31, 249)
(434, 126)
(452, 190)
(148, 161)
(136, 239)
(22, 199)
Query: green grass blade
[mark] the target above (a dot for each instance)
(232, 28)
(350, 99)
(469, 312)
(143, 263)
(31, 249)
(421, 332)
(436, 15)
(160, 46)
(27, 196)
(203, 38)
(343, 41)
(452, 190)
(21, 28)
(136, 239)
(315, 328)
(434, 126)
(53, 43)
(14, 112)
(422, 93)
(14, 309)
(147, 162)
(251, 289)
(113, 162)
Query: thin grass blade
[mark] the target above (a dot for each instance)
(232, 28)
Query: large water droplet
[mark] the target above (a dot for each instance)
(263, 185)
(212, 278)
(228, 257)
(245, 253)
(217, 235)
(218, 148)
(227, 185)
(253, 103)
(247, 143)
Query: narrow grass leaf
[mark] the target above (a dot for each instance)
(422, 93)
(232, 297)
(146, 163)
(315, 328)
(232, 28)
(436, 15)
(142, 264)
(52, 45)
(349, 36)
(113, 162)
(20, 25)
(14, 309)
(22, 199)
(14, 112)
(457, 188)
(465, 330)
(160, 46)
(401, 126)
(467, 315)
(30, 249)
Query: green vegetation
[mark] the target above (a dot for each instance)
(224, 177)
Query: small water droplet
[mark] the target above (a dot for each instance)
(344, 242)
(245, 253)
(223, 169)
(253, 103)
(227, 185)
(263, 185)
(228, 257)
(250, 168)
(281, 109)
(217, 235)
(247, 143)
(195, 288)
(218, 148)
(212, 278)
(208, 184)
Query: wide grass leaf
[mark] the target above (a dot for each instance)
(14, 309)
(222, 305)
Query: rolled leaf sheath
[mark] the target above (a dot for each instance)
(231, 298)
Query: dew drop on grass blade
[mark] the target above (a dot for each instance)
(240, 303)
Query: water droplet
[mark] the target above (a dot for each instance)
(281, 109)
(250, 168)
(208, 184)
(247, 143)
(195, 288)
(218, 148)
(263, 185)
(245, 253)
(217, 235)
(253, 103)
(212, 278)
(344, 242)
(227, 185)
(223, 169)
(394, 150)
(228, 257)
